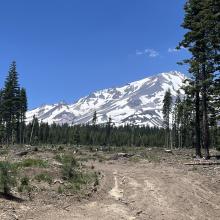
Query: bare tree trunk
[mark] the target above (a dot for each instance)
(206, 137)
(171, 139)
(197, 126)
(32, 130)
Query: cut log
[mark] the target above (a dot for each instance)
(22, 153)
(168, 151)
(202, 163)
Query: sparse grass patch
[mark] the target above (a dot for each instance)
(152, 157)
(81, 180)
(60, 189)
(64, 158)
(32, 163)
(3, 152)
(45, 177)
(76, 178)
(70, 170)
(134, 159)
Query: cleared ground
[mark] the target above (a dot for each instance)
(155, 186)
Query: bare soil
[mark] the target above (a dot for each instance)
(151, 187)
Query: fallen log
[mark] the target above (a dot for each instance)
(202, 163)
(22, 153)
(168, 151)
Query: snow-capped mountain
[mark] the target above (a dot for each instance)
(138, 103)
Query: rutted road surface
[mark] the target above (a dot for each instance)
(143, 191)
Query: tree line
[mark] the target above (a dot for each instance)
(105, 135)
(199, 111)
(180, 123)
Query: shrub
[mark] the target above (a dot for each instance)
(32, 163)
(65, 158)
(60, 190)
(24, 185)
(70, 169)
(3, 151)
(44, 177)
(7, 177)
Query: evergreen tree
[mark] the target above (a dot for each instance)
(94, 118)
(177, 116)
(108, 131)
(23, 110)
(167, 107)
(34, 132)
(1, 118)
(203, 41)
(77, 137)
(11, 105)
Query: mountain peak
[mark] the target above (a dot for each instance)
(138, 103)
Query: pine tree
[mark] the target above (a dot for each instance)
(94, 118)
(11, 105)
(23, 109)
(202, 40)
(177, 116)
(1, 118)
(34, 132)
(108, 131)
(77, 137)
(167, 107)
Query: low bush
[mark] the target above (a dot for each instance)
(65, 158)
(24, 185)
(45, 177)
(32, 163)
(70, 169)
(7, 177)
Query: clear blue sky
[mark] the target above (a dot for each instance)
(66, 49)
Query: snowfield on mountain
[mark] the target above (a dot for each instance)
(137, 103)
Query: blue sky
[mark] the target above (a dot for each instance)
(66, 49)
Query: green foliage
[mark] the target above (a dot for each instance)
(13, 105)
(75, 177)
(77, 137)
(94, 119)
(202, 39)
(3, 151)
(7, 177)
(60, 189)
(99, 135)
(152, 157)
(66, 159)
(25, 185)
(70, 170)
(81, 180)
(45, 177)
(32, 163)
(167, 107)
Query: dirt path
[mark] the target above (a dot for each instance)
(143, 191)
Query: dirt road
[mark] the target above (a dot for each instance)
(143, 191)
